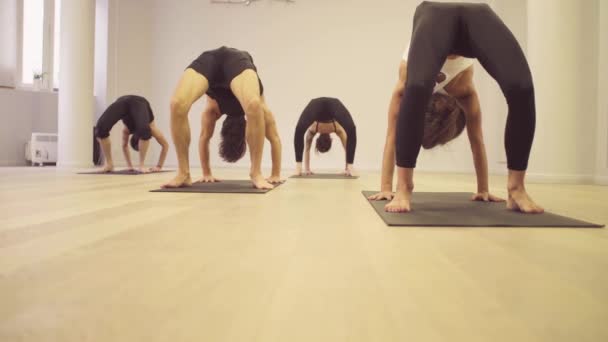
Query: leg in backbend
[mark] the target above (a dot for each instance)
(500, 54)
(190, 88)
(432, 40)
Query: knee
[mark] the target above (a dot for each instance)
(518, 87)
(179, 106)
(253, 108)
(101, 133)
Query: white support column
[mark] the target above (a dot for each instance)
(601, 176)
(562, 52)
(76, 104)
(101, 57)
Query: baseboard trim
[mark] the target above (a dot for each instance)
(62, 165)
(13, 163)
(559, 178)
(601, 180)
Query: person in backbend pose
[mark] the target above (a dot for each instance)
(324, 115)
(229, 78)
(444, 39)
(138, 119)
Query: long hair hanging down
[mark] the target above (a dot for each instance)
(233, 145)
(444, 120)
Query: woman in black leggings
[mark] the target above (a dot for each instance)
(446, 31)
(325, 115)
(136, 114)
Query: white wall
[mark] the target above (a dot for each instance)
(21, 113)
(562, 38)
(8, 42)
(129, 60)
(101, 56)
(350, 50)
(346, 49)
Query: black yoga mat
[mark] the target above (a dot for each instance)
(121, 172)
(455, 209)
(223, 187)
(325, 176)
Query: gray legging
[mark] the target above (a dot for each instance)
(475, 31)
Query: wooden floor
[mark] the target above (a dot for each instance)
(98, 258)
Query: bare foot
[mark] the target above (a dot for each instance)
(348, 173)
(108, 168)
(260, 183)
(400, 203)
(275, 180)
(486, 197)
(180, 181)
(520, 201)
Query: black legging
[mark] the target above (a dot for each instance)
(475, 31)
(326, 109)
(135, 113)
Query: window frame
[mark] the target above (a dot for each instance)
(48, 46)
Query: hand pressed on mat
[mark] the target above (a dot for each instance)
(486, 197)
(207, 179)
(382, 195)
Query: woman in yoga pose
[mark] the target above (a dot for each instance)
(138, 119)
(324, 115)
(230, 80)
(444, 38)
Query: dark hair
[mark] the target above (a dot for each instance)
(323, 143)
(444, 120)
(232, 145)
(134, 142)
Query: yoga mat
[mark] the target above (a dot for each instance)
(325, 176)
(455, 209)
(223, 187)
(121, 172)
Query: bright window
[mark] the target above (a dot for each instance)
(32, 53)
(40, 39)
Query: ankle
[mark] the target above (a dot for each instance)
(405, 188)
(255, 175)
(184, 174)
(515, 188)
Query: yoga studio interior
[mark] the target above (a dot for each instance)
(303, 170)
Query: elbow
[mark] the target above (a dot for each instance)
(476, 142)
(204, 137)
(398, 92)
